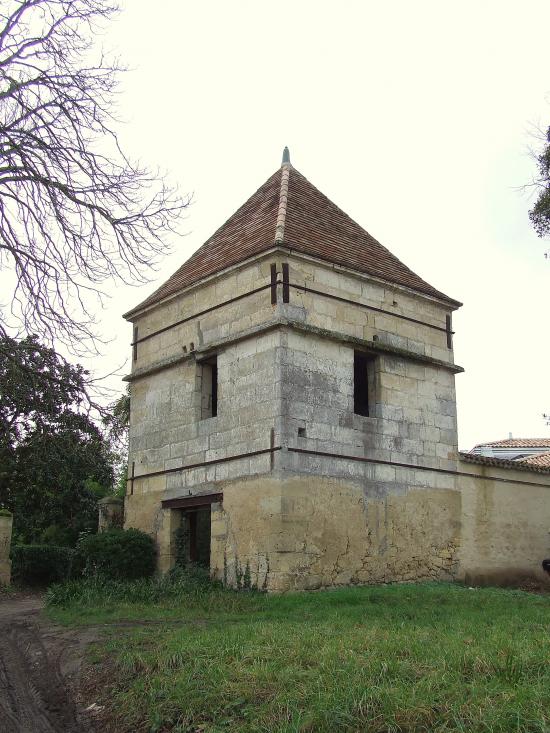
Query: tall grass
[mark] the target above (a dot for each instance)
(179, 594)
(395, 659)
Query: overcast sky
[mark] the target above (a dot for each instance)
(414, 117)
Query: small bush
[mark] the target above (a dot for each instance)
(5, 513)
(119, 554)
(55, 535)
(41, 565)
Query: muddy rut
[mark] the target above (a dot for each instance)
(38, 664)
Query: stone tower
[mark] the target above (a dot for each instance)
(288, 382)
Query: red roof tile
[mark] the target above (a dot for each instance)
(503, 463)
(517, 443)
(289, 211)
(542, 460)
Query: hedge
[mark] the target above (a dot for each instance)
(42, 564)
(119, 554)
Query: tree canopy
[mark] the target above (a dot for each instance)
(54, 460)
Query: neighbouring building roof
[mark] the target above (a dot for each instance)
(517, 443)
(518, 464)
(288, 211)
(542, 460)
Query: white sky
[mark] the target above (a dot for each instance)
(414, 117)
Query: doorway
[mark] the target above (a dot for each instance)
(192, 539)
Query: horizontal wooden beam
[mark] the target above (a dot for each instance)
(189, 502)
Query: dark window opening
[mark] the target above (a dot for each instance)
(134, 349)
(364, 399)
(301, 432)
(209, 388)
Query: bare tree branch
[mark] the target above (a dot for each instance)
(540, 213)
(75, 211)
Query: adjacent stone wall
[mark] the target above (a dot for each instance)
(111, 513)
(5, 544)
(505, 525)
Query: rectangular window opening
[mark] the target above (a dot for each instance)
(135, 346)
(209, 387)
(364, 397)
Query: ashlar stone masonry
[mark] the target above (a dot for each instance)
(293, 414)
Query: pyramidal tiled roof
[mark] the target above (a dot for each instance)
(288, 211)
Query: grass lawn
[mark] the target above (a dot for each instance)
(427, 657)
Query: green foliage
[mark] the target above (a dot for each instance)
(98, 590)
(540, 213)
(181, 545)
(117, 422)
(398, 658)
(55, 535)
(119, 554)
(121, 481)
(54, 461)
(40, 565)
(5, 513)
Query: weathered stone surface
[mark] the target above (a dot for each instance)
(394, 507)
(111, 513)
(5, 544)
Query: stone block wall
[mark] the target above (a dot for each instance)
(352, 319)
(298, 532)
(505, 523)
(167, 430)
(413, 420)
(302, 533)
(398, 506)
(204, 325)
(5, 545)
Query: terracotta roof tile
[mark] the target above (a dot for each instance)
(502, 463)
(289, 211)
(542, 460)
(517, 443)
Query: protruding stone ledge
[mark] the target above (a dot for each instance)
(379, 347)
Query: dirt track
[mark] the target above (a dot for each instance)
(38, 666)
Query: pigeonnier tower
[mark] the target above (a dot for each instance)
(293, 412)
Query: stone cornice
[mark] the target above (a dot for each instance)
(378, 347)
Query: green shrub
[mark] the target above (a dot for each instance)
(5, 513)
(118, 553)
(55, 535)
(41, 564)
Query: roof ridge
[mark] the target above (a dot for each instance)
(283, 203)
(289, 211)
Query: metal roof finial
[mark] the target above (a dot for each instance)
(286, 156)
